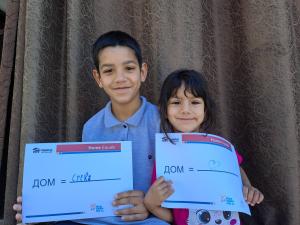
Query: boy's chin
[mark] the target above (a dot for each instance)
(125, 100)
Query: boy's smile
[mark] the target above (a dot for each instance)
(120, 75)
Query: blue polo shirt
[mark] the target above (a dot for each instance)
(140, 128)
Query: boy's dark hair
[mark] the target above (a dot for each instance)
(196, 84)
(112, 39)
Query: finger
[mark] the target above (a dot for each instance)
(131, 210)
(18, 217)
(250, 195)
(17, 207)
(126, 194)
(134, 217)
(245, 192)
(255, 197)
(19, 199)
(261, 198)
(170, 191)
(163, 185)
(159, 181)
(166, 190)
(129, 200)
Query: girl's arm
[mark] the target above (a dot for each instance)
(251, 194)
(157, 193)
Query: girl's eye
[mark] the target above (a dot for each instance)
(175, 102)
(130, 68)
(196, 102)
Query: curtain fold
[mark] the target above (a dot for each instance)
(248, 51)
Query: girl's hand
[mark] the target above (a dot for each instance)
(157, 193)
(252, 195)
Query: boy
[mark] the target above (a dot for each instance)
(119, 70)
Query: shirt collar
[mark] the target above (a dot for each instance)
(110, 120)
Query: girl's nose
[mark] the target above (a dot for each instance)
(185, 107)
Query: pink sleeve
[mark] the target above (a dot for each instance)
(239, 157)
(153, 178)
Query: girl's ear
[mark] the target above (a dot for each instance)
(97, 77)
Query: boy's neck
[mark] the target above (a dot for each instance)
(123, 111)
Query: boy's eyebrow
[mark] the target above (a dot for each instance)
(130, 61)
(106, 65)
(111, 65)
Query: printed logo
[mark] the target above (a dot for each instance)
(39, 150)
(165, 139)
(227, 200)
(96, 208)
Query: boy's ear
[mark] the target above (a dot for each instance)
(97, 77)
(144, 71)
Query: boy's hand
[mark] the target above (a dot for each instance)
(252, 195)
(18, 208)
(135, 198)
(159, 191)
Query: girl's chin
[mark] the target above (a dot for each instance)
(187, 131)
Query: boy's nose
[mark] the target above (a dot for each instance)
(120, 76)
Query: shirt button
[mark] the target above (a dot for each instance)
(124, 125)
(149, 156)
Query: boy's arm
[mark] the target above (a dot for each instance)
(251, 194)
(157, 193)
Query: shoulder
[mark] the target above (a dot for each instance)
(94, 120)
(151, 117)
(151, 109)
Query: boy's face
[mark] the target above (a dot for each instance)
(120, 75)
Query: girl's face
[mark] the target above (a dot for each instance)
(185, 112)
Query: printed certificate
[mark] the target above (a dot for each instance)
(64, 181)
(204, 170)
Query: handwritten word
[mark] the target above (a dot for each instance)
(81, 178)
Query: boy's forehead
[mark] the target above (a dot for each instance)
(116, 54)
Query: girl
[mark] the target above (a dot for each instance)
(185, 106)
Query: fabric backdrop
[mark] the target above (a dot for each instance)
(248, 51)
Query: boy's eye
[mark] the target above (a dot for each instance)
(107, 71)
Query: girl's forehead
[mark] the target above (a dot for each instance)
(182, 91)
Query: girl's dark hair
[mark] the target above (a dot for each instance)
(194, 83)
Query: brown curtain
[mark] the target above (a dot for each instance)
(248, 50)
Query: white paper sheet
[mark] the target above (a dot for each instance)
(77, 180)
(204, 170)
